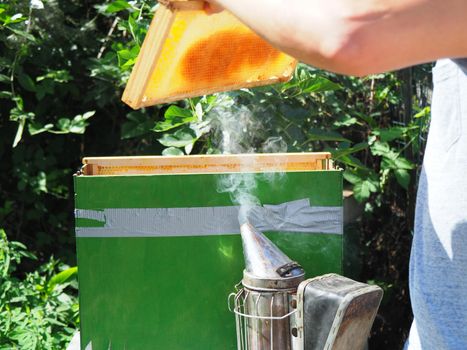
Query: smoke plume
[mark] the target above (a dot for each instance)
(240, 130)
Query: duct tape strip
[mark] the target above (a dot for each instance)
(296, 216)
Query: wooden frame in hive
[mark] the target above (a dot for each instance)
(188, 53)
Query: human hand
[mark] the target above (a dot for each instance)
(211, 7)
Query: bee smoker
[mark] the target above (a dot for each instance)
(276, 309)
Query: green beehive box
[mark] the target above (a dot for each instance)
(159, 248)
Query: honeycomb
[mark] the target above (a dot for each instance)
(203, 54)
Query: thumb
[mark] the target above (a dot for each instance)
(211, 8)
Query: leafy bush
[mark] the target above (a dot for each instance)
(38, 310)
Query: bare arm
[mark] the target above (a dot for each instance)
(358, 37)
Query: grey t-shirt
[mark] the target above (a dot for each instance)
(438, 262)
(462, 62)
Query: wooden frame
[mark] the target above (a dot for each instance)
(135, 94)
(207, 164)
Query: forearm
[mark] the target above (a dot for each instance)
(358, 36)
(290, 25)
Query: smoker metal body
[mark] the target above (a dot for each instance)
(277, 310)
(328, 312)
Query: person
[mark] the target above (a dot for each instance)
(361, 37)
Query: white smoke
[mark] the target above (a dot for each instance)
(243, 130)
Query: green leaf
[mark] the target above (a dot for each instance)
(64, 124)
(22, 33)
(4, 78)
(361, 191)
(404, 163)
(395, 161)
(172, 151)
(17, 17)
(175, 111)
(79, 123)
(127, 58)
(19, 132)
(175, 117)
(35, 128)
(345, 120)
(62, 277)
(306, 83)
(21, 298)
(367, 119)
(124, 54)
(321, 84)
(180, 138)
(5, 94)
(381, 149)
(26, 82)
(85, 115)
(402, 177)
(390, 134)
(117, 6)
(352, 161)
(347, 151)
(41, 180)
(423, 113)
(58, 76)
(352, 177)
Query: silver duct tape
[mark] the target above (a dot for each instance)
(163, 222)
(296, 216)
(97, 215)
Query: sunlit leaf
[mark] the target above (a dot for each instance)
(175, 117)
(22, 33)
(352, 177)
(180, 138)
(347, 151)
(117, 6)
(172, 151)
(175, 111)
(19, 132)
(380, 149)
(62, 277)
(321, 84)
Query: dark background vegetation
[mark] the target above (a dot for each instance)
(63, 66)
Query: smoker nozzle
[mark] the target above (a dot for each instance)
(265, 262)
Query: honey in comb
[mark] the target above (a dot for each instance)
(223, 54)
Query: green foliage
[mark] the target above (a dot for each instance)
(63, 65)
(39, 309)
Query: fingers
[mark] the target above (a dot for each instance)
(211, 8)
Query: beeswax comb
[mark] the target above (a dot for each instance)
(188, 52)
